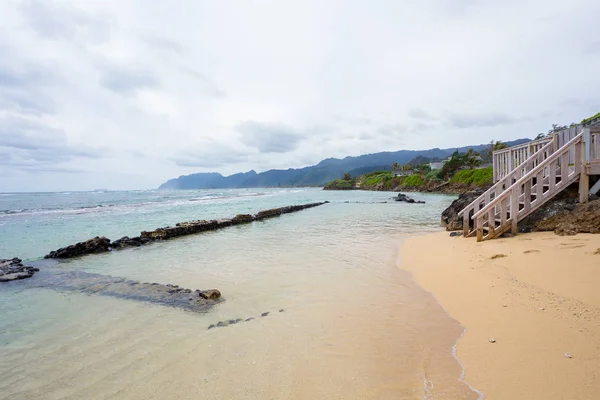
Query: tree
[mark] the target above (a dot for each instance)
(452, 165)
(556, 128)
(472, 159)
(347, 176)
(495, 146)
(540, 136)
(395, 167)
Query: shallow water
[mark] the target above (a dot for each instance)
(354, 325)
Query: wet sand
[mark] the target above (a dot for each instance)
(539, 298)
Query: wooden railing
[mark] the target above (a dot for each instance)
(523, 168)
(531, 190)
(505, 161)
(593, 147)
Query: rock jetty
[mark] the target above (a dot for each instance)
(103, 244)
(91, 246)
(404, 198)
(13, 269)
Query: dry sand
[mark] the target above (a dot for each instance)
(539, 300)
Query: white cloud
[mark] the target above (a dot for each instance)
(130, 93)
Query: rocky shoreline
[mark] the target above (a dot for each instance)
(563, 215)
(101, 244)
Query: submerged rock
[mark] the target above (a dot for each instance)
(13, 270)
(91, 246)
(106, 285)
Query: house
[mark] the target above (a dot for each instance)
(437, 165)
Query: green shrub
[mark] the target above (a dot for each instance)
(374, 178)
(478, 177)
(590, 118)
(340, 184)
(432, 175)
(413, 181)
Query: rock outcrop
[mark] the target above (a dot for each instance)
(102, 244)
(404, 198)
(13, 269)
(450, 219)
(91, 246)
(583, 218)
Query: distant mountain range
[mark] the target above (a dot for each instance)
(316, 175)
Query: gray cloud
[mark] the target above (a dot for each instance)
(480, 120)
(127, 81)
(211, 154)
(206, 84)
(392, 130)
(417, 113)
(366, 136)
(593, 48)
(22, 102)
(60, 20)
(22, 89)
(27, 144)
(156, 41)
(269, 137)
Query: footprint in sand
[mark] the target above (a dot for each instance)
(571, 245)
(531, 251)
(597, 252)
(498, 256)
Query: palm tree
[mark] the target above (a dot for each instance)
(472, 159)
(395, 167)
(495, 146)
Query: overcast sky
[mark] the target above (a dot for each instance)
(125, 94)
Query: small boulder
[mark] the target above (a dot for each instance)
(211, 294)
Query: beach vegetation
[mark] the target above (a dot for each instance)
(413, 181)
(586, 120)
(481, 177)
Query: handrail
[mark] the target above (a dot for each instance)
(507, 159)
(502, 181)
(526, 144)
(553, 157)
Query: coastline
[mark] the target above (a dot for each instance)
(537, 302)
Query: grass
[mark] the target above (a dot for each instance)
(479, 177)
(340, 184)
(413, 181)
(374, 178)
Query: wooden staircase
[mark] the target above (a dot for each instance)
(525, 180)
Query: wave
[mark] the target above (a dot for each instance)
(159, 201)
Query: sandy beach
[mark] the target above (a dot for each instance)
(536, 295)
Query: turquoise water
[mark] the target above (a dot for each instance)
(33, 224)
(332, 269)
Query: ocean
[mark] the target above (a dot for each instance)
(344, 321)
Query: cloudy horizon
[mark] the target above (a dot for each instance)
(128, 94)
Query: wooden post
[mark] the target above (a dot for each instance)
(584, 178)
(514, 209)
